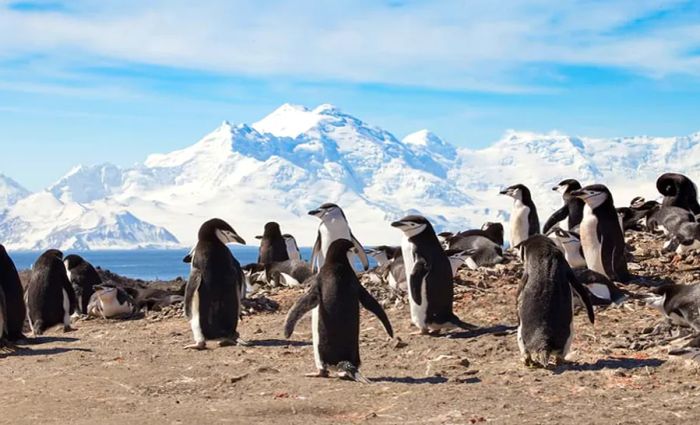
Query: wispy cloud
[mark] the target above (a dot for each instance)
(476, 45)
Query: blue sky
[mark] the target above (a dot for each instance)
(90, 82)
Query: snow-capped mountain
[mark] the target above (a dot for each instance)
(10, 192)
(297, 158)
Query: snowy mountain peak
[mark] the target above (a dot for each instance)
(10, 192)
(327, 109)
(426, 140)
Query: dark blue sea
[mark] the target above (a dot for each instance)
(146, 264)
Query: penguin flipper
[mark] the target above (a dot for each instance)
(555, 218)
(360, 252)
(192, 286)
(582, 293)
(420, 270)
(314, 254)
(371, 304)
(306, 303)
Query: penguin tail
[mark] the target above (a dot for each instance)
(352, 372)
(461, 324)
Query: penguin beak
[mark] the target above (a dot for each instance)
(507, 192)
(187, 259)
(398, 224)
(555, 188)
(258, 237)
(580, 193)
(316, 213)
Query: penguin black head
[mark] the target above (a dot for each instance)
(272, 229)
(517, 191)
(567, 185)
(328, 210)
(389, 251)
(637, 202)
(668, 184)
(412, 225)
(593, 195)
(338, 251)
(53, 253)
(218, 229)
(564, 236)
(72, 261)
(536, 243)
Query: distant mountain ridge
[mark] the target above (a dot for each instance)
(297, 158)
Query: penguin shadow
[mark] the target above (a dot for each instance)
(45, 339)
(278, 343)
(27, 351)
(430, 380)
(625, 363)
(496, 330)
(648, 281)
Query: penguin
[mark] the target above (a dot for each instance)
(570, 244)
(333, 226)
(572, 208)
(15, 309)
(444, 237)
(490, 230)
(678, 191)
(634, 217)
(213, 291)
(83, 276)
(110, 303)
(679, 303)
(483, 252)
(334, 300)
(545, 303)
(429, 276)
(390, 266)
(50, 297)
(601, 291)
(523, 217)
(292, 247)
(285, 273)
(679, 225)
(273, 247)
(601, 235)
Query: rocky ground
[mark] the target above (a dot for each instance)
(136, 370)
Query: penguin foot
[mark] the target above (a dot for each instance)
(243, 343)
(201, 345)
(423, 331)
(227, 342)
(69, 328)
(322, 373)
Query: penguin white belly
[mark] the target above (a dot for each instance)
(419, 312)
(330, 232)
(66, 308)
(592, 247)
(195, 324)
(569, 340)
(315, 337)
(572, 253)
(519, 223)
(685, 248)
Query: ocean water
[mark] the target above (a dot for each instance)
(146, 264)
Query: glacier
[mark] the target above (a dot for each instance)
(297, 158)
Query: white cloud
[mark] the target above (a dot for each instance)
(452, 44)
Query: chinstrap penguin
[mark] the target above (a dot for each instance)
(601, 234)
(273, 247)
(50, 297)
(213, 292)
(334, 299)
(429, 275)
(83, 276)
(572, 208)
(545, 303)
(523, 216)
(334, 225)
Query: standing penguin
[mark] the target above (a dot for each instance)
(545, 303)
(83, 277)
(15, 309)
(213, 291)
(273, 248)
(429, 275)
(601, 235)
(678, 191)
(292, 247)
(50, 296)
(573, 207)
(333, 226)
(333, 300)
(523, 217)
